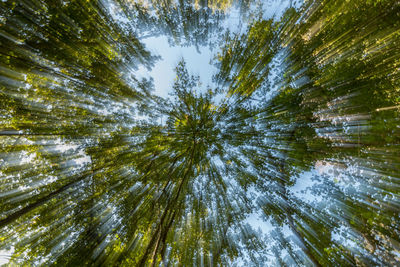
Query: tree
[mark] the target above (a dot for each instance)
(97, 170)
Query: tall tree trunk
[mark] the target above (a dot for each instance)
(14, 216)
(161, 232)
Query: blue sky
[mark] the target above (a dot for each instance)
(198, 62)
(163, 71)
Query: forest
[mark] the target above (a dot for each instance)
(287, 155)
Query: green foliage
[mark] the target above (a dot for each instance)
(97, 170)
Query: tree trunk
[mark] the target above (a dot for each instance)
(161, 231)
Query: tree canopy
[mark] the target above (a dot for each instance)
(289, 156)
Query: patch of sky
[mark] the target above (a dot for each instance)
(275, 8)
(302, 189)
(323, 170)
(258, 223)
(199, 61)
